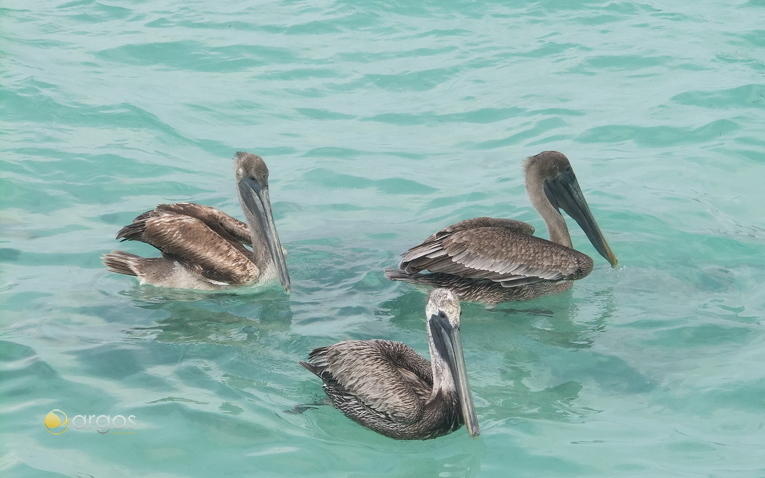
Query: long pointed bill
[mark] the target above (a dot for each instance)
(448, 342)
(563, 192)
(257, 204)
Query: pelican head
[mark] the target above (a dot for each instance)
(252, 182)
(553, 171)
(449, 372)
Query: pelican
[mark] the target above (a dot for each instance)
(387, 387)
(494, 260)
(202, 247)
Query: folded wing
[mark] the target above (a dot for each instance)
(507, 255)
(191, 235)
(388, 377)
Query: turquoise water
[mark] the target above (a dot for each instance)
(382, 122)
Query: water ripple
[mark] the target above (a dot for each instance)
(382, 121)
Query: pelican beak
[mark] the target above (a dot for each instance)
(564, 192)
(448, 342)
(257, 202)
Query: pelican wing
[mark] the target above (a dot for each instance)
(498, 254)
(215, 219)
(388, 377)
(510, 224)
(195, 245)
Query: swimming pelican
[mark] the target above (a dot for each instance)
(387, 387)
(202, 247)
(496, 260)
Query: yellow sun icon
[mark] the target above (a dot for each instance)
(56, 422)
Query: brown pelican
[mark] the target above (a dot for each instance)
(202, 247)
(496, 260)
(387, 387)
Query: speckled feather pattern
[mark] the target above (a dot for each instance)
(200, 239)
(492, 264)
(498, 254)
(387, 387)
(509, 224)
(482, 290)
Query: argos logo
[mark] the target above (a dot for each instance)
(57, 422)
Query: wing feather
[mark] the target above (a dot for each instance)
(214, 219)
(200, 249)
(511, 224)
(202, 239)
(388, 377)
(500, 254)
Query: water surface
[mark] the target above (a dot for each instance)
(382, 122)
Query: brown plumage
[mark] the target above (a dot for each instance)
(204, 248)
(387, 387)
(496, 260)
